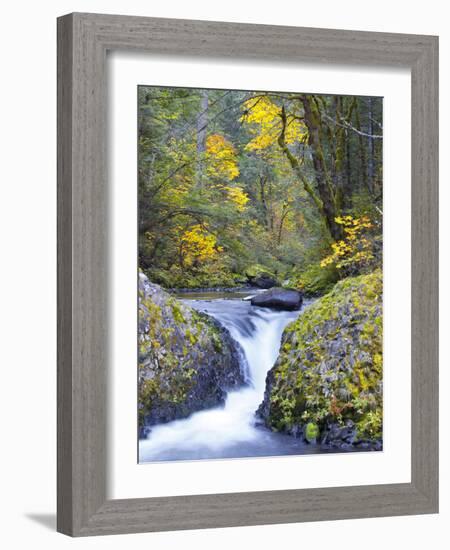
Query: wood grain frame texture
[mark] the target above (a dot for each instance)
(83, 41)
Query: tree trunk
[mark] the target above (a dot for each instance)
(371, 160)
(262, 195)
(284, 213)
(362, 151)
(202, 125)
(324, 184)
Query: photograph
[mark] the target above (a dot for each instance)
(221, 221)
(260, 273)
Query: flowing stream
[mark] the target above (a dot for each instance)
(231, 431)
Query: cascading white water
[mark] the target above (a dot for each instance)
(230, 430)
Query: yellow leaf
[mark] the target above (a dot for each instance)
(264, 118)
(238, 197)
(198, 245)
(222, 158)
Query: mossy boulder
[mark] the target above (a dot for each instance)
(187, 360)
(327, 381)
(260, 277)
(311, 432)
(315, 280)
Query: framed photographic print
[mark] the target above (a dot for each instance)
(247, 274)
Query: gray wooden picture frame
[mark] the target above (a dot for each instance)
(83, 41)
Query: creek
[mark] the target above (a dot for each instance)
(232, 430)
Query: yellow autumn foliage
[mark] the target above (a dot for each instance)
(264, 117)
(355, 249)
(221, 157)
(198, 246)
(238, 197)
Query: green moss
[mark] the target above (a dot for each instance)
(254, 270)
(311, 432)
(191, 336)
(316, 280)
(177, 312)
(217, 341)
(330, 365)
(175, 277)
(371, 425)
(174, 341)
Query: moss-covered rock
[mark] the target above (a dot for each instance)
(315, 280)
(187, 361)
(327, 380)
(260, 277)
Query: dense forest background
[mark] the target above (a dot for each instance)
(236, 183)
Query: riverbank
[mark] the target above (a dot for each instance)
(187, 360)
(327, 383)
(214, 290)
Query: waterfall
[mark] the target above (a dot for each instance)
(230, 430)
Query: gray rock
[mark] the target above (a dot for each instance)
(340, 437)
(279, 298)
(317, 371)
(187, 360)
(264, 281)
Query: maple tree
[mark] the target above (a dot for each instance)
(198, 245)
(355, 250)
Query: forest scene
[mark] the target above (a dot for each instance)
(260, 273)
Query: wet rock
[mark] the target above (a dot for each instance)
(278, 298)
(337, 436)
(259, 277)
(264, 281)
(311, 432)
(187, 360)
(144, 431)
(297, 431)
(329, 370)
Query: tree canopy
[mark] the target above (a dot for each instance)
(231, 181)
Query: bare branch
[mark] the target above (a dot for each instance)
(347, 125)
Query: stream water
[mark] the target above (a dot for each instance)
(231, 431)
